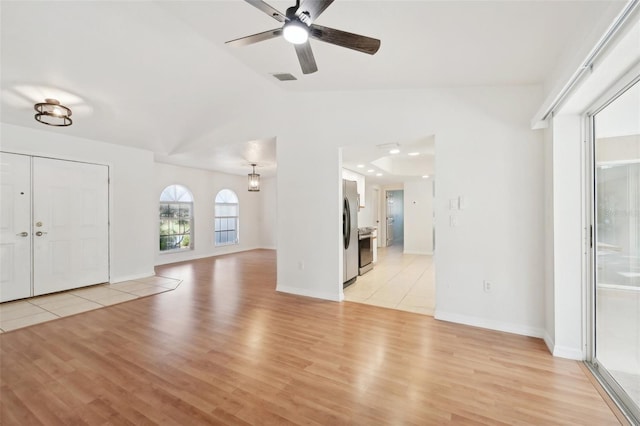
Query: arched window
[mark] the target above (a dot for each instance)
(176, 218)
(226, 218)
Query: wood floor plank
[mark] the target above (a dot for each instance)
(226, 348)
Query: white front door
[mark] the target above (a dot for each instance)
(70, 225)
(15, 226)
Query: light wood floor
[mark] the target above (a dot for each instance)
(225, 348)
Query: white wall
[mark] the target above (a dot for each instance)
(486, 152)
(204, 185)
(418, 217)
(309, 259)
(567, 236)
(131, 198)
(495, 162)
(549, 297)
(269, 212)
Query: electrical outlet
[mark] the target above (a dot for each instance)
(301, 265)
(486, 285)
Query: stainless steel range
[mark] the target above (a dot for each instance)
(365, 250)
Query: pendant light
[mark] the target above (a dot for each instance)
(52, 113)
(254, 180)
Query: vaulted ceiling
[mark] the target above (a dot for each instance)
(157, 75)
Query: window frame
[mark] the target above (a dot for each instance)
(218, 219)
(179, 204)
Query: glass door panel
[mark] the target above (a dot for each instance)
(617, 244)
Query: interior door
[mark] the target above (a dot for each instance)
(71, 228)
(15, 226)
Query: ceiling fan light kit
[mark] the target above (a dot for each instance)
(298, 28)
(52, 113)
(295, 32)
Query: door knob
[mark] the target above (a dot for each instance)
(22, 234)
(40, 233)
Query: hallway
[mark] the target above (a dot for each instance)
(405, 282)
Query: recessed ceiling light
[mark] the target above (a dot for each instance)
(371, 170)
(360, 166)
(378, 174)
(394, 151)
(425, 177)
(413, 154)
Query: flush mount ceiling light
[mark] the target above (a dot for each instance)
(254, 179)
(52, 113)
(413, 154)
(394, 151)
(388, 146)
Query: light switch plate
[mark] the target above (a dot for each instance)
(462, 202)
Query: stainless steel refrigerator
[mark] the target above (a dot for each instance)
(350, 231)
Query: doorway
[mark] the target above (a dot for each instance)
(54, 225)
(615, 352)
(394, 217)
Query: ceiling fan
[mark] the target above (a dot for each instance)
(299, 27)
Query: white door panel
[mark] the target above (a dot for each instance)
(15, 226)
(70, 214)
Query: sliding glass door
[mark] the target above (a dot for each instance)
(616, 246)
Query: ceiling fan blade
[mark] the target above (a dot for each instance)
(245, 41)
(314, 8)
(342, 38)
(305, 56)
(267, 9)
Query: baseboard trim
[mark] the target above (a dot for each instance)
(131, 277)
(562, 351)
(489, 324)
(548, 341)
(568, 353)
(203, 256)
(334, 297)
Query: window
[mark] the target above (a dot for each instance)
(176, 219)
(226, 218)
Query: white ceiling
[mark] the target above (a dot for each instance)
(393, 168)
(158, 76)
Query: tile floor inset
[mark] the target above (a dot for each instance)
(28, 320)
(400, 281)
(38, 309)
(15, 310)
(75, 308)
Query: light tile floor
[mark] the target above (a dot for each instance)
(400, 281)
(23, 313)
